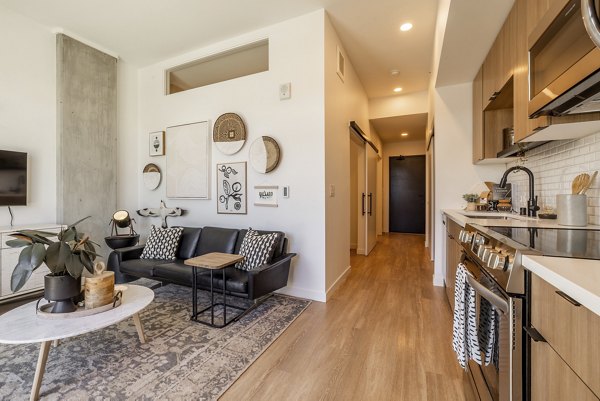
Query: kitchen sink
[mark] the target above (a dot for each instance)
(492, 217)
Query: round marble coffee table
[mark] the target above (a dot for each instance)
(23, 326)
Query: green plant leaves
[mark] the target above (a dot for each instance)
(87, 261)
(18, 243)
(22, 271)
(56, 256)
(74, 265)
(77, 222)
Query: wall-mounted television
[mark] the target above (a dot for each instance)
(13, 178)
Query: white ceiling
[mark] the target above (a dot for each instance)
(389, 129)
(143, 32)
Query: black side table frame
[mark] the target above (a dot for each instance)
(196, 313)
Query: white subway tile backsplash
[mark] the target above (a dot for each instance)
(554, 166)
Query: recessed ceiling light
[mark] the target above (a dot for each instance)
(404, 134)
(394, 72)
(397, 90)
(407, 26)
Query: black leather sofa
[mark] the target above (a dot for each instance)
(195, 241)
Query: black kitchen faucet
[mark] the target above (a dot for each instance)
(532, 206)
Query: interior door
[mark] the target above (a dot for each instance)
(407, 194)
(371, 204)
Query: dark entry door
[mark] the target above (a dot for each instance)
(407, 194)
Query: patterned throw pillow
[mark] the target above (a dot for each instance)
(257, 249)
(162, 243)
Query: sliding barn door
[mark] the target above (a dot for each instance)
(370, 201)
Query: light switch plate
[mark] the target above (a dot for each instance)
(286, 191)
(285, 91)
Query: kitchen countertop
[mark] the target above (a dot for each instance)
(462, 217)
(578, 278)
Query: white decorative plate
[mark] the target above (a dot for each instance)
(264, 154)
(151, 176)
(229, 133)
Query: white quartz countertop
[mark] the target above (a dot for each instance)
(578, 278)
(487, 219)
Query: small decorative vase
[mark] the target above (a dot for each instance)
(61, 290)
(471, 206)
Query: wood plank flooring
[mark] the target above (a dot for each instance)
(384, 335)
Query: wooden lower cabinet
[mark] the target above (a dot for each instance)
(453, 252)
(552, 379)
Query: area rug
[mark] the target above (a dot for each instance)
(182, 360)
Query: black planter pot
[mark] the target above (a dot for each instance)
(121, 241)
(61, 290)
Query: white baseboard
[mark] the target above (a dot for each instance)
(353, 246)
(303, 293)
(337, 282)
(360, 251)
(438, 281)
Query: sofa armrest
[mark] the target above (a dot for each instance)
(269, 277)
(122, 254)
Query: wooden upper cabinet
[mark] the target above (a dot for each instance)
(522, 124)
(500, 61)
(478, 154)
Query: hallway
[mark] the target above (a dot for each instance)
(385, 334)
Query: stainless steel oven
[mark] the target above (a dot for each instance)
(501, 381)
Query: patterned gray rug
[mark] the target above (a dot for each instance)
(182, 360)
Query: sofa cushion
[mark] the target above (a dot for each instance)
(237, 280)
(188, 242)
(279, 245)
(257, 249)
(175, 271)
(140, 267)
(216, 239)
(162, 243)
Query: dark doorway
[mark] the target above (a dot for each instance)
(407, 194)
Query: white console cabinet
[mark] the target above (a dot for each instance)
(10, 256)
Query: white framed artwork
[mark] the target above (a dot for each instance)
(188, 161)
(231, 188)
(266, 195)
(156, 143)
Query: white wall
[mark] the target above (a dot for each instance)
(127, 141)
(296, 56)
(399, 105)
(404, 148)
(344, 101)
(28, 111)
(455, 173)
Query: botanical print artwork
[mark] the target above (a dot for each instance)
(231, 188)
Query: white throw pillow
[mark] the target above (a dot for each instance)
(162, 243)
(257, 249)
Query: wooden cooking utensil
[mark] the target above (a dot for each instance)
(579, 183)
(589, 183)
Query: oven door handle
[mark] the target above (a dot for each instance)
(492, 298)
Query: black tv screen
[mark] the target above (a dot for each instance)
(13, 178)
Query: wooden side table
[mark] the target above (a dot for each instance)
(212, 261)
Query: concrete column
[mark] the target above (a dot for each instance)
(86, 137)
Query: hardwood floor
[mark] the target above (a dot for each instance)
(384, 335)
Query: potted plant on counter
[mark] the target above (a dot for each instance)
(65, 258)
(471, 201)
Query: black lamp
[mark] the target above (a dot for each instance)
(121, 219)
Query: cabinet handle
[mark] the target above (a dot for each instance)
(534, 334)
(568, 298)
(363, 204)
(370, 204)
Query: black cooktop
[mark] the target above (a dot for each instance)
(568, 243)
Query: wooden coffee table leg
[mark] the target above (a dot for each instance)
(139, 327)
(39, 370)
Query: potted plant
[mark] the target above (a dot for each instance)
(65, 258)
(471, 201)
